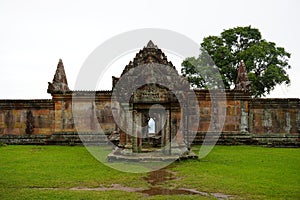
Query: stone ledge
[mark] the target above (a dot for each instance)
(72, 138)
(35, 104)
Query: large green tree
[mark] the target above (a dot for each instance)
(266, 64)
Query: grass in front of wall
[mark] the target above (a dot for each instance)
(249, 172)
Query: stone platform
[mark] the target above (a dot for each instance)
(156, 156)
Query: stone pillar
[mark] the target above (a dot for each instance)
(92, 117)
(167, 132)
(129, 125)
(287, 127)
(137, 132)
(244, 127)
(267, 120)
(244, 121)
(122, 121)
(163, 124)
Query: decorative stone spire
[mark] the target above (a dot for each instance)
(149, 54)
(151, 45)
(59, 83)
(242, 81)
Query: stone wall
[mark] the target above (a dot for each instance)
(275, 121)
(232, 105)
(280, 116)
(92, 109)
(19, 117)
(251, 121)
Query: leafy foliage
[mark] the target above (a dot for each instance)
(202, 72)
(266, 63)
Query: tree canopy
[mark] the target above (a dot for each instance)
(266, 64)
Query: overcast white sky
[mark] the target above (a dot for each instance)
(35, 34)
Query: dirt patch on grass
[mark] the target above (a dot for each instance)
(157, 191)
(160, 176)
(148, 192)
(156, 179)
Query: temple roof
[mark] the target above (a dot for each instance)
(149, 54)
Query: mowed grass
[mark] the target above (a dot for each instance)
(244, 172)
(249, 172)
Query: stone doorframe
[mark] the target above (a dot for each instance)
(139, 113)
(142, 141)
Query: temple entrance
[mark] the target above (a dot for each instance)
(151, 122)
(154, 128)
(150, 127)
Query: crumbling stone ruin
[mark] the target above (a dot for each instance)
(247, 120)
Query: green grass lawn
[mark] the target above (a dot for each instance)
(244, 172)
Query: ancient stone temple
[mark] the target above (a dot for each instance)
(149, 95)
(150, 107)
